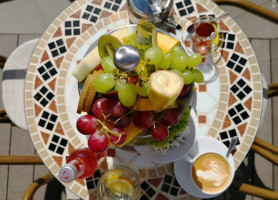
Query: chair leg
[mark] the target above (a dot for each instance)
(20, 160)
(272, 90)
(29, 193)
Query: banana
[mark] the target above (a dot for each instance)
(165, 86)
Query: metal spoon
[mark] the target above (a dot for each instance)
(126, 58)
(232, 146)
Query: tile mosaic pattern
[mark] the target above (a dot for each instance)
(232, 113)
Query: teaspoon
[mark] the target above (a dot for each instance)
(231, 146)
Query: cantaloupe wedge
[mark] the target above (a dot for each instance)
(166, 42)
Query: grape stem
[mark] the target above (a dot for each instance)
(108, 130)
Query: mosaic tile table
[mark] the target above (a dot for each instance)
(229, 107)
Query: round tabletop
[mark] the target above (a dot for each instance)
(228, 107)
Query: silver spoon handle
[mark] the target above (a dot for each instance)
(231, 146)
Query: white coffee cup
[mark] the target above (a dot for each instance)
(213, 168)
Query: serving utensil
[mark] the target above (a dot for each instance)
(231, 146)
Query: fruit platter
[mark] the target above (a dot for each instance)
(147, 105)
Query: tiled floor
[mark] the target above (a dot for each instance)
(24, 20)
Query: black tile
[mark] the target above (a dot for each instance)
(118, 1)
(244, 115)
(51, 45)
(232, 112)
(238, 68)
(54, 53)
(96, 181)
(48, 64)
(43, 102)
(144, 197)
(247, 89)
(53, 118)
(150, 192)
(64, 142)
(175, 183)
(45, 115)
(97, 11)
(45, 76)
(232, 133)
(59, 42)
(90, 185)
(237, 142)
(107, 5)
(41, 69)
(190, 9)
(227, 143)
(67, 23)
(179, 5)
(76, 32)
(231, 37)
(234, 57)
(187, 2)
(88, 179)
(230, 45)
(63, 49)
(234, 88)
(242, 61)
(76, 23)
(86, 16)
(230, 64)
(43, 90)
(89, 8)
(239, 107)
(42, 123)
(241, 83)
(93, 19)
(168, 179)
(174, 191)
(241, 95)
(223, 135)
(50, 126)
(53, 71)
(115, 7)
(165, 188)
(55, 138)
(236, 120)
(97, 174)
(67, 31)
(223, 45)
(145, 185)
(50, 95)
(224, 35)
(182, 12)
(38, 96)
(52, 147)
(60, 150)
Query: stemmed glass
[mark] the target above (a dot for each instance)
(203, 36)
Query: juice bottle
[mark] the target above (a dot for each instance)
(81, 163)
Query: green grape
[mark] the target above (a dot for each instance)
(176, 50)
(198, 76)
(187, 76)
(104, 82)
(108, 65)
(127, 94)
(119, 82)
(180, 62)
(194, 60)
(166, 61)
(142, 90)
(176, 71)
(153, 55)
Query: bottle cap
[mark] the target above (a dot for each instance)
(68, 173)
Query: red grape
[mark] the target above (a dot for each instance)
(98, 142)
(117, 109)
(121, 122)
(170, 117)
(185, 90)
(100, 108)
(143, 119)
(159, 132)
(114, 138)
(86, 124)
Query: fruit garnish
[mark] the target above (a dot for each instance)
(143, 119)
(127, 94)
(104, 82)
(98, 142)
(120, 185)
(166, 42)
(143, 104)
(88, 93)
(198, 76)
(170, 117)
(121, 122)
(100, 108)
(107, 45)
(146, 34)
(164, 88)
(185, 90)
(159, 131)
(86, 124)
(116, 108)
(115, 139)
(122, 33)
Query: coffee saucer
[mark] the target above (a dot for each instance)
(182, 167)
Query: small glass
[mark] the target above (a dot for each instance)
(120, 183)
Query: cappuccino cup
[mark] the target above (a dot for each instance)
(210, 171)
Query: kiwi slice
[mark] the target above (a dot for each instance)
(107, 45)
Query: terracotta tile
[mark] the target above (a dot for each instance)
(44, 56)
(242, 128)
(81, 181)
(38, 82)
(200, 8)
(234, 151)
(238, 48)
(97, 2)
(182, 192)
(59, 129)
(58, 160)
(38, 110)
(202, 87)
(115, 18)
(161, 197)
(52, 84)
(223, 27)
(105, 14)
(232, 99)
(58, 33)
(70, 148)
(76, 14)
(45, 137)
(187, 43)
(70, 41)
(246, 74)
(227, 122)
(124, 8)
(225, 55)
(248, 103)
(58, 61)
(202, 119)
(85, 27)
(155, 182)
(52, 106)
(233, 77)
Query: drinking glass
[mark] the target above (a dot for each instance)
(203, 37)
(120, 183)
